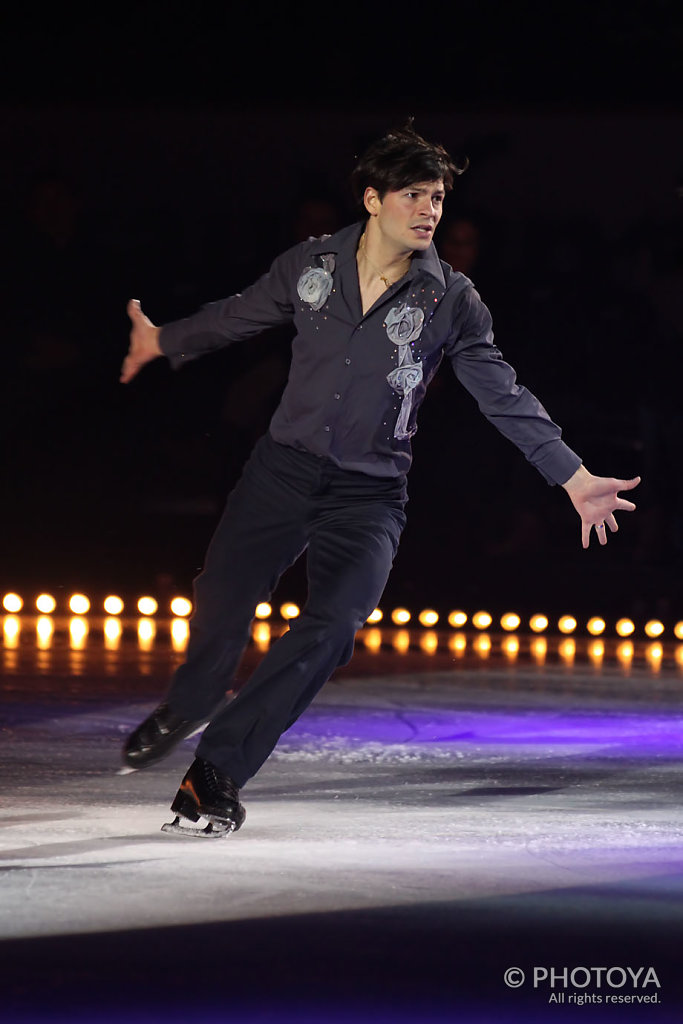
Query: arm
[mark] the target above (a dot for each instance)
(518, 415)
(264, 304)
(511, 408)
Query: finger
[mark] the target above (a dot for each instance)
(625, 506)
(128, 370)
(601, 532)
(134, 309)
(627, 485)
(612, 523)
(585, 534)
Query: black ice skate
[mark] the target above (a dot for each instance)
(156, 737)
(205, 793)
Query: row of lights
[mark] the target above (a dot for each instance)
(511, 621)
(373, 640)
(79, 604)
(482, 644)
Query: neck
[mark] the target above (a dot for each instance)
(380, 259)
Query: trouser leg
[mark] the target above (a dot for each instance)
(262, 531)
(350, 553)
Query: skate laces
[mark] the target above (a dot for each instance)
(218, 783)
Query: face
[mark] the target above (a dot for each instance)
(406, 219)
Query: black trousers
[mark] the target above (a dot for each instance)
(285, 503)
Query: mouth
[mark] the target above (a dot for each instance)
(423, 230)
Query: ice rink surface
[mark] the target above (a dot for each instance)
(427, 826)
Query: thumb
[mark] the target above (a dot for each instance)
(134, 309)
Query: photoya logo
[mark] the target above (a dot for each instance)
(569, 985)
(583, 977)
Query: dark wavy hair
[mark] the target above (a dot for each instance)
(400, 158)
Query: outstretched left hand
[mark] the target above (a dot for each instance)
(596, 499)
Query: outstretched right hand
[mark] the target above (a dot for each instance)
(144, 342)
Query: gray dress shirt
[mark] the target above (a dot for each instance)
(357, 381)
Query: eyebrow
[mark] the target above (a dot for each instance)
(441, 191)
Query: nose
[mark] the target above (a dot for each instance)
(428, 208)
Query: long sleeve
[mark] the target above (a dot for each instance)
(511, 408)
(266, 303)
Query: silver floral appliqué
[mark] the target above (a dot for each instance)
(404, 325)
(315, 284)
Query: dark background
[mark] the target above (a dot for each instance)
(171, 154)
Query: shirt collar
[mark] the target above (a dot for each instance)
(344, 244)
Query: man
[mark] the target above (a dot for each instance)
(375, 310)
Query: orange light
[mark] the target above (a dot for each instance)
(457, 619)
(654, 654)
(289, 610)
(402, 641)
(567, 649)
(181, 607)
(11, 627)
(12, 603)
(400, 616)
(79, 604)
(429, 642)
(537, 623)
(428, 617)
(147, 606)
(112, 633)
(46, 604)
(678, 630)
(566, 624)
(113, 605)
(180, 632)
(595, 626)
(44, 630)
(624, 627)
(263, 610)
(596, 650)
(482, 620)
(260, 631)
(457, 644)
(625, 652)
(539, 648)
(78, 632)
(147, 631)
(372, 638)
(510, 647)
(654, 628)
(510, 621)
(482, 645)
(375, 616)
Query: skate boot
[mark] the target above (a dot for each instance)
(206, 793)
(156, 737)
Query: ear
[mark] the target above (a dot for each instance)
(372, 201)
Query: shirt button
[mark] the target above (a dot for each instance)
(327, 429)
(348, 362)
(337, 395)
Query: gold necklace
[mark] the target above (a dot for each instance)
(382, 277)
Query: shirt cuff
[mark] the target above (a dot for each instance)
(557, 463)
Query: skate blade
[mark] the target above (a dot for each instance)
(213, 830)
(196, 732)
(126, 770)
